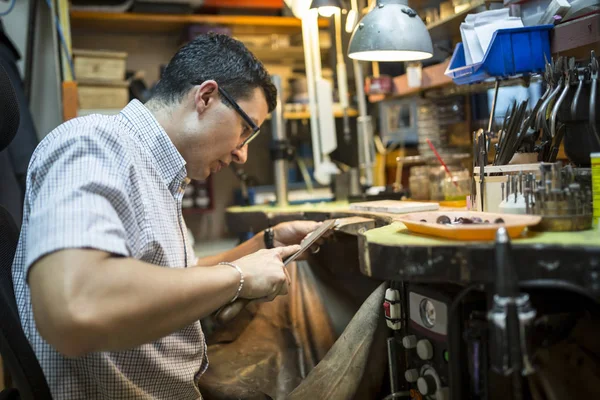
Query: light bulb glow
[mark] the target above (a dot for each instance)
(327, 11)
(390, 55)
(350, 21)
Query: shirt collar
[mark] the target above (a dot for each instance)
(169, 163)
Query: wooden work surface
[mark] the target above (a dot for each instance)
(388, 251)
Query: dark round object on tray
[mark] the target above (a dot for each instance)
(465, 221)
(423, 220)
(443, 219)
(498, 221)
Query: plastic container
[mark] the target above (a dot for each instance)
(595, 158)
(493, 184)
(511, 52)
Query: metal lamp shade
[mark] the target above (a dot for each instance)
(391, 31)
(326, 3)
(327, 7)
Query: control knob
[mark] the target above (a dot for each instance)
(409, 342)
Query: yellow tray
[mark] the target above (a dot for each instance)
(514, 224)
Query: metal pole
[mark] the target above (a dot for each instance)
(365, 133)
(279, 156)
(492, 112)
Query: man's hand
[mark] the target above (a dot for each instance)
(294, 232)
(288, 233)
(265, 276)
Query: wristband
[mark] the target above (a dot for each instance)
(269, 238)
(239, 290)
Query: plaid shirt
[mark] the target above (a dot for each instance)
(112, 183)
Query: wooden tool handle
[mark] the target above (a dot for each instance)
(229, 311)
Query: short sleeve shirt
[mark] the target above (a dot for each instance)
(111, 183)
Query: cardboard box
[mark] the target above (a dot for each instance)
(100, 95)
(99, 65)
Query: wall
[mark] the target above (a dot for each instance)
(15, 24)
(46, 100)
(147, 53)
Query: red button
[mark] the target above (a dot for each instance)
(386, 309)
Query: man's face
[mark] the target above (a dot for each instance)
(215, 132)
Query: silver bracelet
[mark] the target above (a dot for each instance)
(239, 290)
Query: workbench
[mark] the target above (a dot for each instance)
(386, 250)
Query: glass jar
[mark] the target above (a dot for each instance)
(418, 183)
(457, 187)
(437, 175)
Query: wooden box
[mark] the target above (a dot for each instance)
(100, 95)
(99, 65)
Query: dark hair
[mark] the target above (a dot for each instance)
(220, 58)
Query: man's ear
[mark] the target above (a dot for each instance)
(206, 95)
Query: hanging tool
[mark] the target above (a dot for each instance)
(556, 143)
(563, 95)
(542, 112)
(593, 94)
(581, 77)
(548, 78)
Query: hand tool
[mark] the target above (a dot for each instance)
(548, 78)
(581, 75)
(556, 143)
(482, 163)
(594, 76)
(541, 115)
(563, 95)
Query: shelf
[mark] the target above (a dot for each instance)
(195, 210)
(577, 34)
(432, 77)
(447, 27)
(244, 4)
(306, 114)
(296, 115)
(172, 23)
(282, 53)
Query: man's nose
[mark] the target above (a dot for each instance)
(240, 156)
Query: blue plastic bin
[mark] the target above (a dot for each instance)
(511, 52)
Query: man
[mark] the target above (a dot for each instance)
(104, 278)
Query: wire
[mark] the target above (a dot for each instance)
(397, 395)
(9, 9)
(454, 339)
(63, 41)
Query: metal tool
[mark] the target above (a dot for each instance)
(549, 79)
(511, 319)
(563, 205)
(593, 89)
(581, 74)
(556, 143)
(541, 114)
(514, 135)
(482, 162)
(563, 95)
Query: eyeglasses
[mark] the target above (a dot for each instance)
(255, 128)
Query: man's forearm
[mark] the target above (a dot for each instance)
(248, 247)
(116, 303)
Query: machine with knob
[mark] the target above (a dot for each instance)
(426, 342)
(430, 385)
